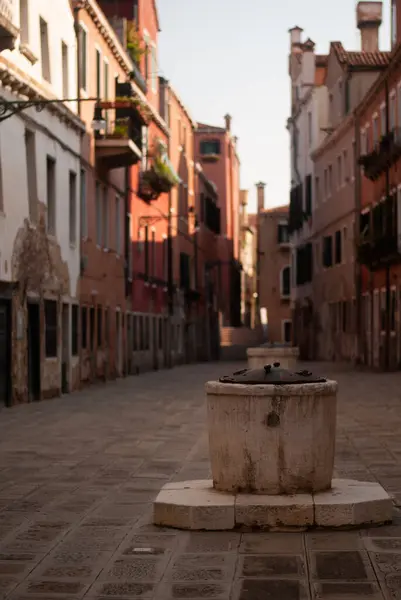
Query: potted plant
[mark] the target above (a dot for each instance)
(135, 47)
(121, 129)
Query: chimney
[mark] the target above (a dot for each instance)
(260, 187)
(369, 19)
(227, 119)
(295, 37)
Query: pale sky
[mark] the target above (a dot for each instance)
(232, 56)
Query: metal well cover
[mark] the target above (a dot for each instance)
(271, 375)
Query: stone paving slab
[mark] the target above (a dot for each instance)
(78, 476)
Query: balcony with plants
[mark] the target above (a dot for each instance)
(378, 243)
(159, 177)
(385, 153)
(119, 142)
(136, 50)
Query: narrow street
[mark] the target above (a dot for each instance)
(78, 475)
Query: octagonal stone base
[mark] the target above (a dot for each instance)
(196, 505)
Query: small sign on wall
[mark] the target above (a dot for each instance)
(20, 324)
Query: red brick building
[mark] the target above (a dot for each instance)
(378, 205)
(215, 150)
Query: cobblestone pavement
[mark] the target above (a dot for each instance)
(78, 475)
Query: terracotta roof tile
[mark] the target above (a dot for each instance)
(360, 59)
(211, 128)
(278, 209)
(321, 60)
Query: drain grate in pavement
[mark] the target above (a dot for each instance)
(269, 589)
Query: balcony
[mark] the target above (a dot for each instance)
(297, 216)
(137, 77)
(380, 242)
(384, 155)
(8, 31)
(212, 216)
(159, 177)
(120, 145)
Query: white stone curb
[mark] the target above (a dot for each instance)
(196, 505)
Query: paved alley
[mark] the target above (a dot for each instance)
(78, 475)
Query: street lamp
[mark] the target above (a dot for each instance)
(8, 108)
(98, 123)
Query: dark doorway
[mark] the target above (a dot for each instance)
(5, 352)
(65, 349)
(33, 351)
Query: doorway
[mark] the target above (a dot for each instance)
(33, 351)
(118, 344)
(5, 352)
(65, 349)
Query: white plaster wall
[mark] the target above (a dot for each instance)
(52, 137)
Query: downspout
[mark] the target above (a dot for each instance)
(357, 213)
(388, 292)
(76, 29)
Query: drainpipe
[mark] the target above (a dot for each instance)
(388, 292)
(76, 29)
(357, 266)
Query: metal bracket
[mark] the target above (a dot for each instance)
(14, 107)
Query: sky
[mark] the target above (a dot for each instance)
(231, 56)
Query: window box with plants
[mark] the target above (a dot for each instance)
(128, 103)
(121, 129)
(160, 177)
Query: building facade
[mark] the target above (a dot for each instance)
(39, 213)
(325, 327)
(248, 240)
(274, 281)
(215, 150)
(306, 126)
(378, 207)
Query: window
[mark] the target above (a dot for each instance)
(106, 80)
(393, 309)
(285, 282)
(383, 120)
(98, 74)
(364, 144)
(345, 166)
(375, 130)
(30, 156)
(326, 185)
(51, 195)
(282, 233)
(146, 251)
(153, 252)
(99, 326)
(50, 307)
(317, 191)
(287, 332)
(84, 327)
(84, 220)
(73, 207)
(99, 214)
(92, 327)
(368, 140)
(393, 23)
(154, 68)
(44, 50)
(83, 56)
(145, 142)
(383, 311)
(210, 147)
(317, 255)
(65, 69)
(107, 326)
(105, 219)
(129, 251)
(310, 129)
(74, 329)
(118, 226)
(327, 252)
(330, 180)
(393, 111)
(308, 195)
(24, 21)
(338, 248)
(339, 171)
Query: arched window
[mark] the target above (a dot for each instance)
(285, 282)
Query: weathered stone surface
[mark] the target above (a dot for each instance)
(351, 503)
(194, 508)
(274, 511)
(272, 439)
(263, 355)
